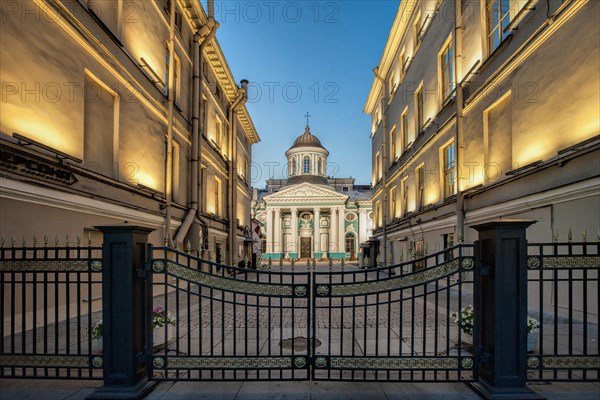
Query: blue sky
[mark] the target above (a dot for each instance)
(307, 56)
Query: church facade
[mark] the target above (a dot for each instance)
(311, 215)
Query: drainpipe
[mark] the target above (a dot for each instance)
(458, 139)
(232, 192)
(169, 158)
(201, 38)
(384, 166)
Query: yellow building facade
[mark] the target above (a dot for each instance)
(483, 110)
(86, 133)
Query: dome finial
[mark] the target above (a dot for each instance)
(307, 115)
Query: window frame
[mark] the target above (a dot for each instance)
(393, 203)
(305, 164)
(404, 125)
(448, 165)
(497, 29)
(446, 68)
(419, 109)
(420, 185)
(404, 190)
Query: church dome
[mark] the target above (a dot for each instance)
(307, 140)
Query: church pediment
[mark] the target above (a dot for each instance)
(306, 193)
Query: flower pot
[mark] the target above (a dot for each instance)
(532, 341)
(158, 335)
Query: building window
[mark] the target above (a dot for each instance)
(448, 239)
(420, 185)
(449, 170)
(417, 30)
(404, 123)
(419, 254)
(176, 74)
(377, 168)
(392, 85)
(393, 145)
(217, 196)
(320, 166)
(393, 208)
(419, 110)
(498, 18)
(178, 17)
(306, 165)
(447, 70)
(404, 189)
(293, 167)
(218, 129)
(246, 177)
(403, 62)
(344, 188)
(204, 113)
(377, 214)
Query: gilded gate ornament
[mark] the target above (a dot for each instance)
(158, 362)
(96, 265)
(322, 290)
(300, 290)
(300, 362)
(320, 362)
(97, 361)
(466, 362)
(468, 263)
(158, 266)
(533, 362)
(533, 262)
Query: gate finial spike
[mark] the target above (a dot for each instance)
(570, 235)
(24, 241)
(78, 240)
(56, 242)
(12, 240)
(598, 235)
(166, 241)
(89, 238)
(584, 235)
(1, 241)
(67, 241)
(45, 240)
(34, 241)
(555, 235)
(188, 247)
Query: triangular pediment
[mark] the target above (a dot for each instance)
(306, 193)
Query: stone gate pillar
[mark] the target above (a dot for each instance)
(126, 303)
(500, 307)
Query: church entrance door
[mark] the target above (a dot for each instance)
(305, 246)
(350, 246)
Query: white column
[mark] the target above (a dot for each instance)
(277, 231)
(317, 229)
(269, 230)
(362, 226)
(333, 226)
(293, 247)
(342, 228)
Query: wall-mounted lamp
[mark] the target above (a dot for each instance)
(24, 141)
(155, 78)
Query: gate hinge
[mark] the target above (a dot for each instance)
(142, 273)
(143, 357)
(481, 357)
(485, 270)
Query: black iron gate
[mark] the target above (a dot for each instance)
(231, 323)
(393, 324)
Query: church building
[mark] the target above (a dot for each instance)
(309, 214)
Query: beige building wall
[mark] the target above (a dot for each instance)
(528, 144)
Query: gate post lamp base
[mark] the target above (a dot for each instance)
(138, 391)
(491, 393)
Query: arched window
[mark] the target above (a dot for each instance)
(294, 167)
(320, 166)
(306, 165)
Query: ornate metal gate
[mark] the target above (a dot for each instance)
(392, 324)
(231, 323)
(395, 323)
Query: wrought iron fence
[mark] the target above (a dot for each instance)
(50, 298)
(563, 280)
(229, 323)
